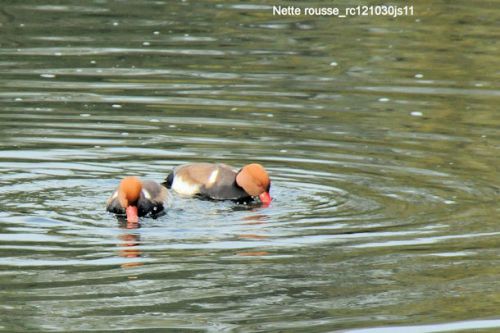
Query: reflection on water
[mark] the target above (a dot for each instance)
(380, 136)
(130, 242)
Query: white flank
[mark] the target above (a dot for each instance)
(179, 185)
(146, 194)
(213, 177)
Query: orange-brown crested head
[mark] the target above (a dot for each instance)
(253, 178)
(129, 191)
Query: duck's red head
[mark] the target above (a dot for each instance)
(253, 178)
(128, 193)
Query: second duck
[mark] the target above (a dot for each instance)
(221, 182)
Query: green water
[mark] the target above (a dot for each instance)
(381, 136)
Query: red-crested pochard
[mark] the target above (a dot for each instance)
(221, 182)
(135, 198)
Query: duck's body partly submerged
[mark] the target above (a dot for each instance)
(137, 198)
(220, 182)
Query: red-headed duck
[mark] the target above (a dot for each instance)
(136, 198)
(221, 182)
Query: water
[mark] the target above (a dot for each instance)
(380, 136)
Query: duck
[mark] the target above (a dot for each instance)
(217, 181)
(137, 198)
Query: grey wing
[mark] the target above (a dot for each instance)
(152, 199)
(225, 188)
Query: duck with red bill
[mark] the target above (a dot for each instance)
(136, 198)
(221, 182)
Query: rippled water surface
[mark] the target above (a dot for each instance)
(381, 137)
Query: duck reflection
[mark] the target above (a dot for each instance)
(130, 240)
(254, 219)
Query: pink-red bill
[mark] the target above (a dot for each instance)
(265, 198)
(132, 214)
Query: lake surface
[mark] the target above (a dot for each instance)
(381, 136)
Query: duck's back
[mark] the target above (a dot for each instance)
(214, 181)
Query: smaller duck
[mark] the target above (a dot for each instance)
(221, 182)
(136, 198)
